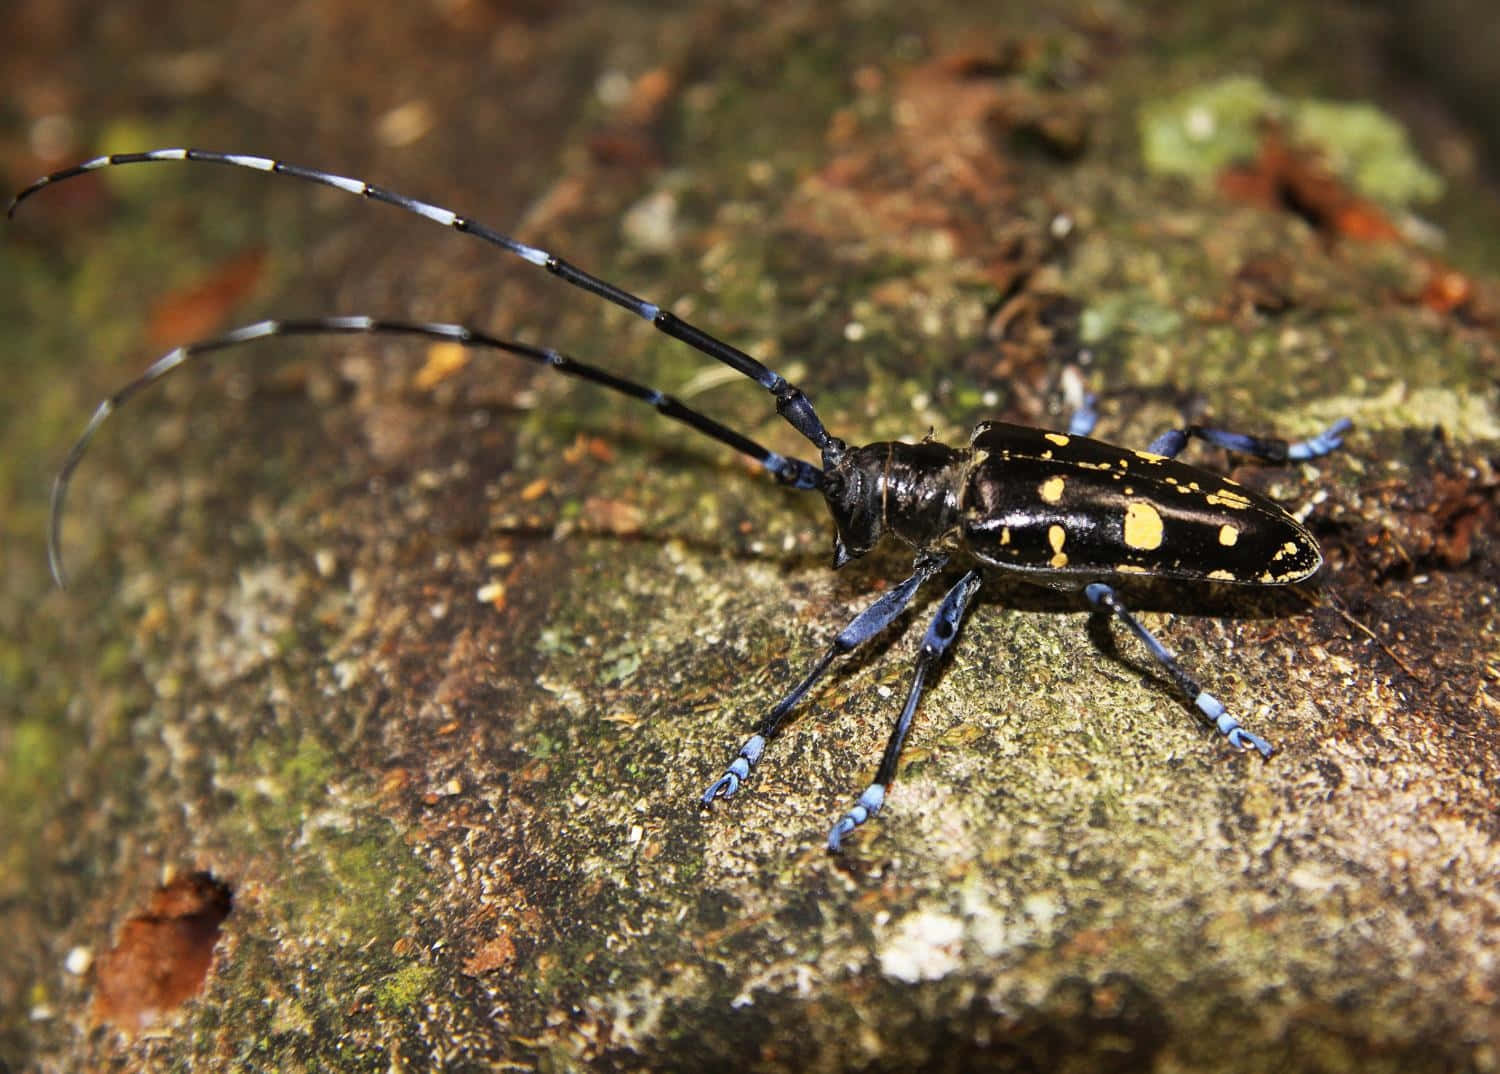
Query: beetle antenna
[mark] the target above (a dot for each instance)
(791, 403)
(796, 473)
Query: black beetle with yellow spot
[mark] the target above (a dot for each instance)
(1059, 509)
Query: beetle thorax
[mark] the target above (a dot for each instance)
(909, 491)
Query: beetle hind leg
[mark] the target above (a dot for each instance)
(1103, 598)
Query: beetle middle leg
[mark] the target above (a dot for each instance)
(861, 629)
(1270, 448)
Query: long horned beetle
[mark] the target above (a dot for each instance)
(1058, 509)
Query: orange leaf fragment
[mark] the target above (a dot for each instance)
(200, 309)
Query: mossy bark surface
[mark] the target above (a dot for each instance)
(431, 666)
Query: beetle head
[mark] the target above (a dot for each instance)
(854, 490)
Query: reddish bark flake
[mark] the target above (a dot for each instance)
(495, 954)
(163, 954)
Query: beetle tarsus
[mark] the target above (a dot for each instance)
(868, 805)
(738, 771)
(1314, 447)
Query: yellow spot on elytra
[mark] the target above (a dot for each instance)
(1129, 568)
(1226, 498)
(1288, 549)
(1150, 456)
(1051, 490)
(1005, 535)
(1143, 528)
(1056, 535)
(1221, 576)
(1057, 438)
(1228, 535)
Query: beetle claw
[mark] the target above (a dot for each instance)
(1245, 740)
(723, 787)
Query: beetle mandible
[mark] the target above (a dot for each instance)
(1058, 509)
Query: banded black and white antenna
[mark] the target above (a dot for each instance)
(791, 402)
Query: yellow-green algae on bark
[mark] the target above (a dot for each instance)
(1204, 129)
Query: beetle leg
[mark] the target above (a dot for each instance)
(1105, 599)
(1085, 417)
(940, 635)
(1329, 440)
(1270, 448)
(861, 629)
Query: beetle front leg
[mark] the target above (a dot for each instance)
(861, 629)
